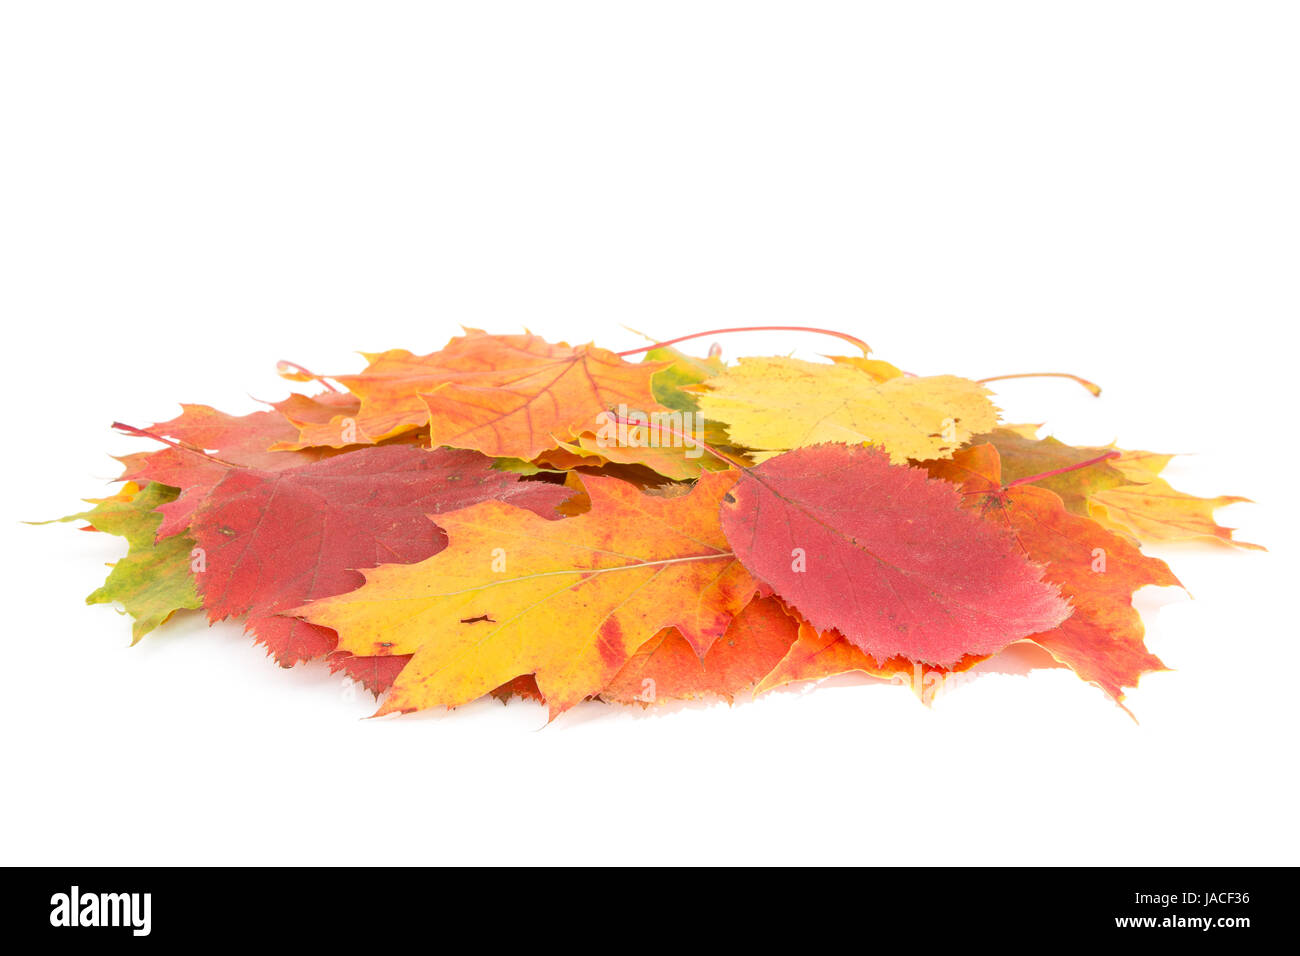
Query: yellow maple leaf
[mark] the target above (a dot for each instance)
(776, 404)
(568, 601)
(1150, 509)
(1156, 511)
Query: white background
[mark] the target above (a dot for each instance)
(189, 192)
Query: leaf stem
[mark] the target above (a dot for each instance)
(1092, 387)
(140, 432)
(283, 366)
(857, 342)
(1061, 471)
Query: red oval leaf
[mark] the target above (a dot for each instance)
(886, 556)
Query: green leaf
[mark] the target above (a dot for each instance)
(153, 580)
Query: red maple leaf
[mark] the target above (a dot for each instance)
(234, 439)
(271, 541)
(375, 674)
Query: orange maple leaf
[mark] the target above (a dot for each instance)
(816, 655)
(504, 395)
(667, 668)
(1095, 568)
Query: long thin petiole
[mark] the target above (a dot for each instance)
(854, 340)
(1060, 471)
(1046, 474)
(1092, 387)
(140, 432)
(283, 366)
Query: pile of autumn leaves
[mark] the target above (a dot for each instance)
(498, 518)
